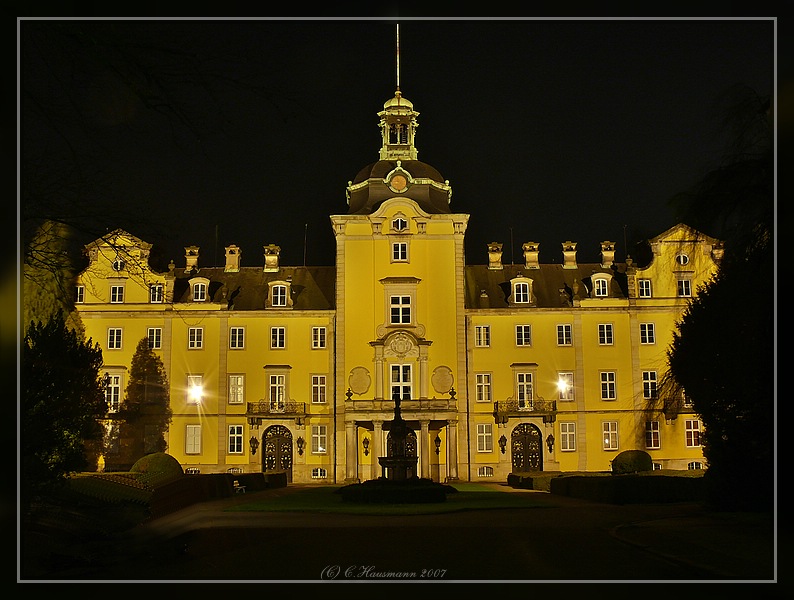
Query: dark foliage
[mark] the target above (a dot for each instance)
(632, 461)
(385, 491)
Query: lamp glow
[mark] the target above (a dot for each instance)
(196, 393)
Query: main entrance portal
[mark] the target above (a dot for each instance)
(526, 448)
(277, 456)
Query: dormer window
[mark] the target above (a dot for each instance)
(279, 294)
(119, 264)
(682, 259)
(521, 288)
(399, 224)
(156, 293)
(601, 283)
(199, 292)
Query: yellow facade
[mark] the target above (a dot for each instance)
(280, 368)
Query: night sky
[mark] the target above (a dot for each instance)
(210, 133)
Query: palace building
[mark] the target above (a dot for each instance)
(499, 367)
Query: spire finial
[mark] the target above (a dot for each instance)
(398, 57)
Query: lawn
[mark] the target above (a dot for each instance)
(324, 499)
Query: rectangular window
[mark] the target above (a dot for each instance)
(647, 333)
(484, 437)
(564, 335)
(318, 389)
(483, 383)
(236, 389)
(193, 439)
(278, 337)
(279, 295)
(601, 288)
(521, 293)
(113, 391)
(568, 435)
(605, 337)
(79, 294)
(399, 251)
(237, 338)
(684, 288)
(649, 384)
(644, 288)
(116, 294)
(400, 310)
(195, 389)
(155, 337)
(156, 293)
(692, 433)
(401, 382)
(524, 391)
(523, 335)
(278, 392)
(318, 337)
(652, 440)
(319, 439)
(565, 385)
(195, 338)
(199, 292)
(114, 338)
(610, 431)
(235, 439)
(482, 336)
(608, 388)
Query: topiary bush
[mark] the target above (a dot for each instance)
(157, 469)
(632, 461)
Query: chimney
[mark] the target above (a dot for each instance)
(191, 258)
(569, 255)
(271, 258)
(531, 250)
(495, 255)
(232, 259)
(607, 254)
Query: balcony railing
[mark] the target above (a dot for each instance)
(538, 407)
(266, 409)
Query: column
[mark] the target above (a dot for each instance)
(452, 450)
(377, 436)
(351, 462)
(425, 449)
(423, 374)
(379, 373)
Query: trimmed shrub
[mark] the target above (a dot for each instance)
(158, 468)
(632, 461)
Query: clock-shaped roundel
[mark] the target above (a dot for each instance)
(399, 182)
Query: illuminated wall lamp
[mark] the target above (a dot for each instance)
(300, 442)
(365, 443)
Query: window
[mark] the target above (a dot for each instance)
(237, 338)
(652, 440)
(400, 310)
(113, 391)
(601, 288)
(318, 389)
(483, 384)
(79, 294)
(116, 294)
(278, 392)
(199, 292)
(156, 294)
(682, 259)
(524, 391)
(155, 337)
(399, 224)
(319, 439)
(318, 337)
(278, 337)
(319, 473)
(114, 338)
(482, 336)
(193, 439)
(608, 389)
(118, 265)
(649, 384)
(195, 389)
(401, 382)
(568, 435)
(565, 385)
(694, 465)
(235, 439)
(399, 251)
(647, 333)
(644, 286)
(485, 471)
(195, 338)
(692, 427)
(684, 288)
(279, 295)
(605, 337)
(236, 389)
(657, 466)
(564, 335)
(192, 471)
(521, 293)
(484, 437)
(523, 335)
(610, 431)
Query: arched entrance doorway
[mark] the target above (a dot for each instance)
(526, 448)
(277, 455)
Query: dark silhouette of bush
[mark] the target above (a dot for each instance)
(632, 461)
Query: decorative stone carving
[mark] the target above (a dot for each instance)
(401, 344)
(359, 380)
(442, 379)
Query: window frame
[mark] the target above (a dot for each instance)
(567, 436)
(319, 441)
(235, 440)
(401, 384)
(568, 394)
(644, 288)
(113, 390)
(525, 390)
(484, 437)
(653, 435)
(156, 293)
(115, 338)
(192, 439)
(564, 334)
(79, 294)
(319, 388)
(278, 337)
(195, 338)
(650, 384)
(610, 436)
(521, 292)
(199, 291)
(609, 386)
(600, 287)
(237, 337)
(692, 433)
(483, 383)
(236, 388)
(194, 381)
(117, 293)
(399, 251)
(400, 311)
(523, 336)
(319, 337)
(278, 295)
(606, 334)
(277, 392)
(154, 335)
(647, 333)
(684, 288)
(482, 336)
